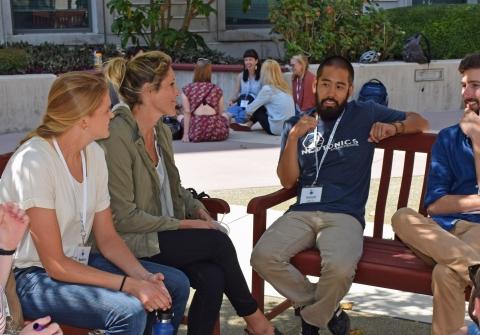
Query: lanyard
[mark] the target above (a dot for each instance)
(83, 213)
(326, 148)
(299, 88)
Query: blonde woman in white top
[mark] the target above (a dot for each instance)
(59, 176)
(13, 224)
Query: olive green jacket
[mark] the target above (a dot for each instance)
(135, 187)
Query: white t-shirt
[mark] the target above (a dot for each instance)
(36, 177)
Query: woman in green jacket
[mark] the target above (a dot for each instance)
(158, 219)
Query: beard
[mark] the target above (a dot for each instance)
(330, 113)
(472, 104)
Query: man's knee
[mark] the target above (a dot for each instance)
(262, 257)
(400, 218)
(339, 268)
(444, 276)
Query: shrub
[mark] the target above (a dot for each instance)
(12, 61)
(320, 28)
(54, 58)
(151, 23)
(17, 58)
(448, 27)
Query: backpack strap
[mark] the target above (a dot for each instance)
(428, 53)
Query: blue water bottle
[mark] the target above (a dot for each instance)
(163, 324)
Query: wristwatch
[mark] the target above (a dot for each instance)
(4, 252)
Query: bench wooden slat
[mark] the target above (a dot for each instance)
(406, 179)
(421, 208)
(383, 192)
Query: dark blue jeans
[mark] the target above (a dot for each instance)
(94, 307)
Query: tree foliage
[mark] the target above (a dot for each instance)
(151, 24)
(320, 28)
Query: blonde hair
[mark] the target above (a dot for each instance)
(73, 95)
(271, 74)
(202, 72)
(129, 76)
(303, 60)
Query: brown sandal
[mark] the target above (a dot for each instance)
(275, 332)
(239, 127)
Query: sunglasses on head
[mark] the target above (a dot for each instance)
(472, 271)
(203, 60)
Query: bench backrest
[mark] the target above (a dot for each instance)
(410, 144)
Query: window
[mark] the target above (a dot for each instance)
(50, 15)
(436, 2)
(256, 16)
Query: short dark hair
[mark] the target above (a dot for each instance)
(253, 54)
(337, 61)
(471, 61)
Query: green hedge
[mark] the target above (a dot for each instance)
(19, 58)
(451, 29)
(13, 61)
(50, 58)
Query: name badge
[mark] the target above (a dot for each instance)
(311, 194)
(81, 254)
(243, 103)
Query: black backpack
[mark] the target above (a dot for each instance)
(413, 51)
(175, 126)
(374, 90)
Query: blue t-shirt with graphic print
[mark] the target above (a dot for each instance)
(345, 173)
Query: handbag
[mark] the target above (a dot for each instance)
(175, 126)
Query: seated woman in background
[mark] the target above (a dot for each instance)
(248, 81)
(275, 96)
(247, 86)
(59, 176)
(13, 224)
(302, 84)
(159, 219)
(202, 101)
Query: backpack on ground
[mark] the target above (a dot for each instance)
(413, 51)
(374, 90)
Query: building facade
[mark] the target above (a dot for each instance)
(89, 21)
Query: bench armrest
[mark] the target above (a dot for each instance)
(258, 207)
(264, 202)
(215, 206)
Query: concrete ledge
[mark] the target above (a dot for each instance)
(433, 87)
(415, 87)
(23, 98)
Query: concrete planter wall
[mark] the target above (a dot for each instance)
(411, 87)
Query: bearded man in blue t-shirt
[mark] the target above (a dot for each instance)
(327, 154)
(450, 238)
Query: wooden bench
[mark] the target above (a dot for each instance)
(385, 262)
(214, 205)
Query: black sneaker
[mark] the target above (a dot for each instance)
(308, 329)
(339, 324)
